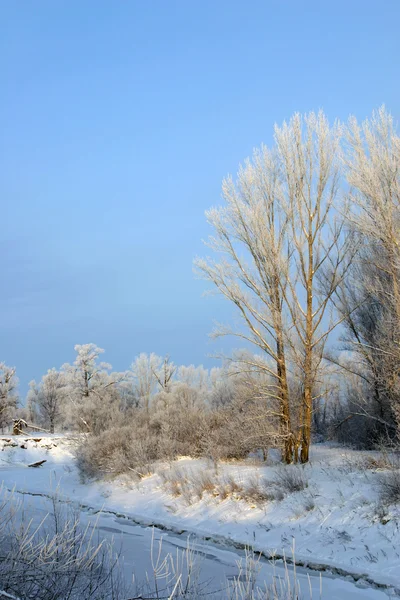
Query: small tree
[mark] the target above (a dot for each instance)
(144, 378)
(48, 397)
(164, 374)
(8, 395)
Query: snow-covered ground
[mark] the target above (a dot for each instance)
(335, 521)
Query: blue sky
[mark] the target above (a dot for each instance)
(119, 121)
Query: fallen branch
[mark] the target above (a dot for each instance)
(37, 428)
(37, 464)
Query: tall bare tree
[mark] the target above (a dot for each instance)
(250, 232)
(284, 254)
(309, 150)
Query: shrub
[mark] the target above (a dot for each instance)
(116, 451)
(290, 479)
(227, 486)
(258, 490)
(389, 487)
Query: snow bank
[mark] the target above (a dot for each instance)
(335, 521)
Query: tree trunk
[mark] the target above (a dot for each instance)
(285, 412)
(305, 444)
(308, 354)
(285, 424)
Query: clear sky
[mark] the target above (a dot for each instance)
(119, 120)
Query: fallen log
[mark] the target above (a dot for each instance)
(37, 464)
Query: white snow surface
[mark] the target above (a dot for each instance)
(343, 530)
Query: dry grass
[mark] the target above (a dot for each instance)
(382, 461)
(204, 481)
(256, 489)
(175, 481)
(229, 486)
(189, 485)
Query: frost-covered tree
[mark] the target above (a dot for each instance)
(143, 373)
(194, 377)
(91, 389)
(370, 299)
(192, 386)
(373, 171)
(165, 374)
(222, 387)
(184, 388)
(48, 397)
(8, 394)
